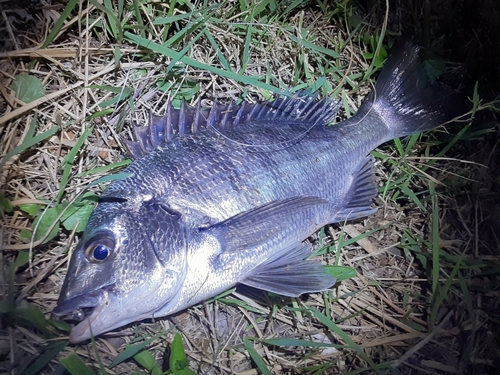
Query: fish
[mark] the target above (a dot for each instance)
(221, 196)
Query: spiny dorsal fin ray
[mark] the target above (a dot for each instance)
(303, 106)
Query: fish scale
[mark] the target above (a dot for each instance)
(227, 195)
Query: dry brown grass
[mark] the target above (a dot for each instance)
(385, 310)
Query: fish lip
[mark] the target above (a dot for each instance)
(84, 309)
(83, 330)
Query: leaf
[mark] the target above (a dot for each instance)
(26, 235)
(5, 205)
(340, 272)
(77, 216)
(44, 222)
(178, 359)
(31, 209)
(434, 68)
(22, 259)
(7, 307)
(28, 315)
(147, 360)
(75, 365)
(60, 325)
(28, 88)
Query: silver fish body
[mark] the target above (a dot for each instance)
(221, 197)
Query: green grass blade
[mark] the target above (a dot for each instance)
(443, 291)
(217, 50)
(138, 17)
(29, 142)
(239, 303)
(114, 16)
(293, 6)
(75, 365)
(261, 365)
(342, 242)
(48, 354)
(343, 336)
(120, 8)
(182, 53)
(68, 162)
(60, 22)
(171, 19)
(435, 241)
(112, 177)
(450, 144)
(291, 341)
(246, 48)
(113, 21)
(252, 81)
(405, 189)
(105, 168)
(259, 8)
(313, 47)
(399, 146)
(132, 349)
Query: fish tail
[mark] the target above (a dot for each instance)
(404, 99)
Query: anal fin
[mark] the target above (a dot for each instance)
(361, 194)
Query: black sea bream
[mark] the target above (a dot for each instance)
(226, 196)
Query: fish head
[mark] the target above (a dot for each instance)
(129, 263)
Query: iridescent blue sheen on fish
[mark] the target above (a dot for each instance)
(227, 195)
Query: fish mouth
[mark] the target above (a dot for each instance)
(77, 308)
(82, 310)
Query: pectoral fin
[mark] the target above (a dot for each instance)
(289, 274)
(255, 228)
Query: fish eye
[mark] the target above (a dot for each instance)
(100, 248)
(101, 252)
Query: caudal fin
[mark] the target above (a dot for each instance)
(404, 99)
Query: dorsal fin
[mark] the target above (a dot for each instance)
(303, 106)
